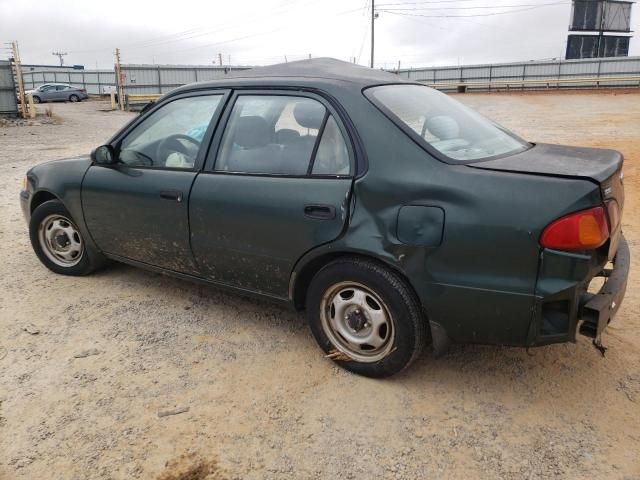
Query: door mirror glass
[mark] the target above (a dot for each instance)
(104, 155)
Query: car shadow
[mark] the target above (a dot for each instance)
(467, 368)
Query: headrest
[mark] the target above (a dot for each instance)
(309, 114)
(252, 132)
(287, 135)
(443, 127)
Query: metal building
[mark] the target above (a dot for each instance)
(605, 27)
(160, 79)
(95, 82)
(8, 103)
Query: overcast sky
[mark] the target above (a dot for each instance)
(414, 32)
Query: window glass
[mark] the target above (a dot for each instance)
(270, 134)
(61, 87)
(332, 157)
(454, 130)
(170, 137)
(46, 88)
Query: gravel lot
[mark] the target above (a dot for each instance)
(262, 401)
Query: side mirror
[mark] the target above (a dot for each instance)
(104, 155)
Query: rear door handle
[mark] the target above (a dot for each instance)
(171, 195)
(322, 212)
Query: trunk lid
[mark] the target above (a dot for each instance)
(601, 166)
(557, 160)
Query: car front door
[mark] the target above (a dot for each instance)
(138, 208)
(277, 184)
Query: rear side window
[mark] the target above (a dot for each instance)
(279, 134)
(332, 157)
(444, 124)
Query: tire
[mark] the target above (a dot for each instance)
(36, 99)
(74, 98)
(365, 317)
(62, 250)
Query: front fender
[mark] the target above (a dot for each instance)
(61, 179)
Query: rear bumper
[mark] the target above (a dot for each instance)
(564, 308)
(597, 310)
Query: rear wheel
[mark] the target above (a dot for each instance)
(74, 98)
(365, 317)
(58, 243)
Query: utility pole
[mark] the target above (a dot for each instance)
(17, 66)
(60, 55)
(373, 20)
(220, 58)
(119, 80)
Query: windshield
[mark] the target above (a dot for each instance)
(454, 130)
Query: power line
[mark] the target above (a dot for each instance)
(253, 35)
(426, 2)
(472, 15)
(202, 31)
(471, 8)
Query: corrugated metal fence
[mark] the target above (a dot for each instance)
(95, 82)
(159, 79)
(565, 70)
(8, 103)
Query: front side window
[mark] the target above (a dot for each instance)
(457, 132)
(170, 137)
(278, 134)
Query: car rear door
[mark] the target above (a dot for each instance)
(277, 183)
(47, 93)
(137, 209)
(61, 92)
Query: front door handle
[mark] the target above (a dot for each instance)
(322, 212)
(171, 195)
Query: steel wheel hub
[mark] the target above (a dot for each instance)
(357, 321)
(60, 241)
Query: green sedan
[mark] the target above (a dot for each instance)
(395, 216)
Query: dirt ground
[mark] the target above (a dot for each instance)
(262, 401)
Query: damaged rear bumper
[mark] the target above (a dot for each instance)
(597, 310)
(564, 307)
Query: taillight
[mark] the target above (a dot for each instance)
(582, 230)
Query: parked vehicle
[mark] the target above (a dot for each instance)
(394, 215)
(56, 92)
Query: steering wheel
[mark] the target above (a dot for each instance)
(173, 143)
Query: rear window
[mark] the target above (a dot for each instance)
(443, 124)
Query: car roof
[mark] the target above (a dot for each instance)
(317, 71)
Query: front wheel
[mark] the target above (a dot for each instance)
(36, 99)
(365, 317)
(58, 243)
